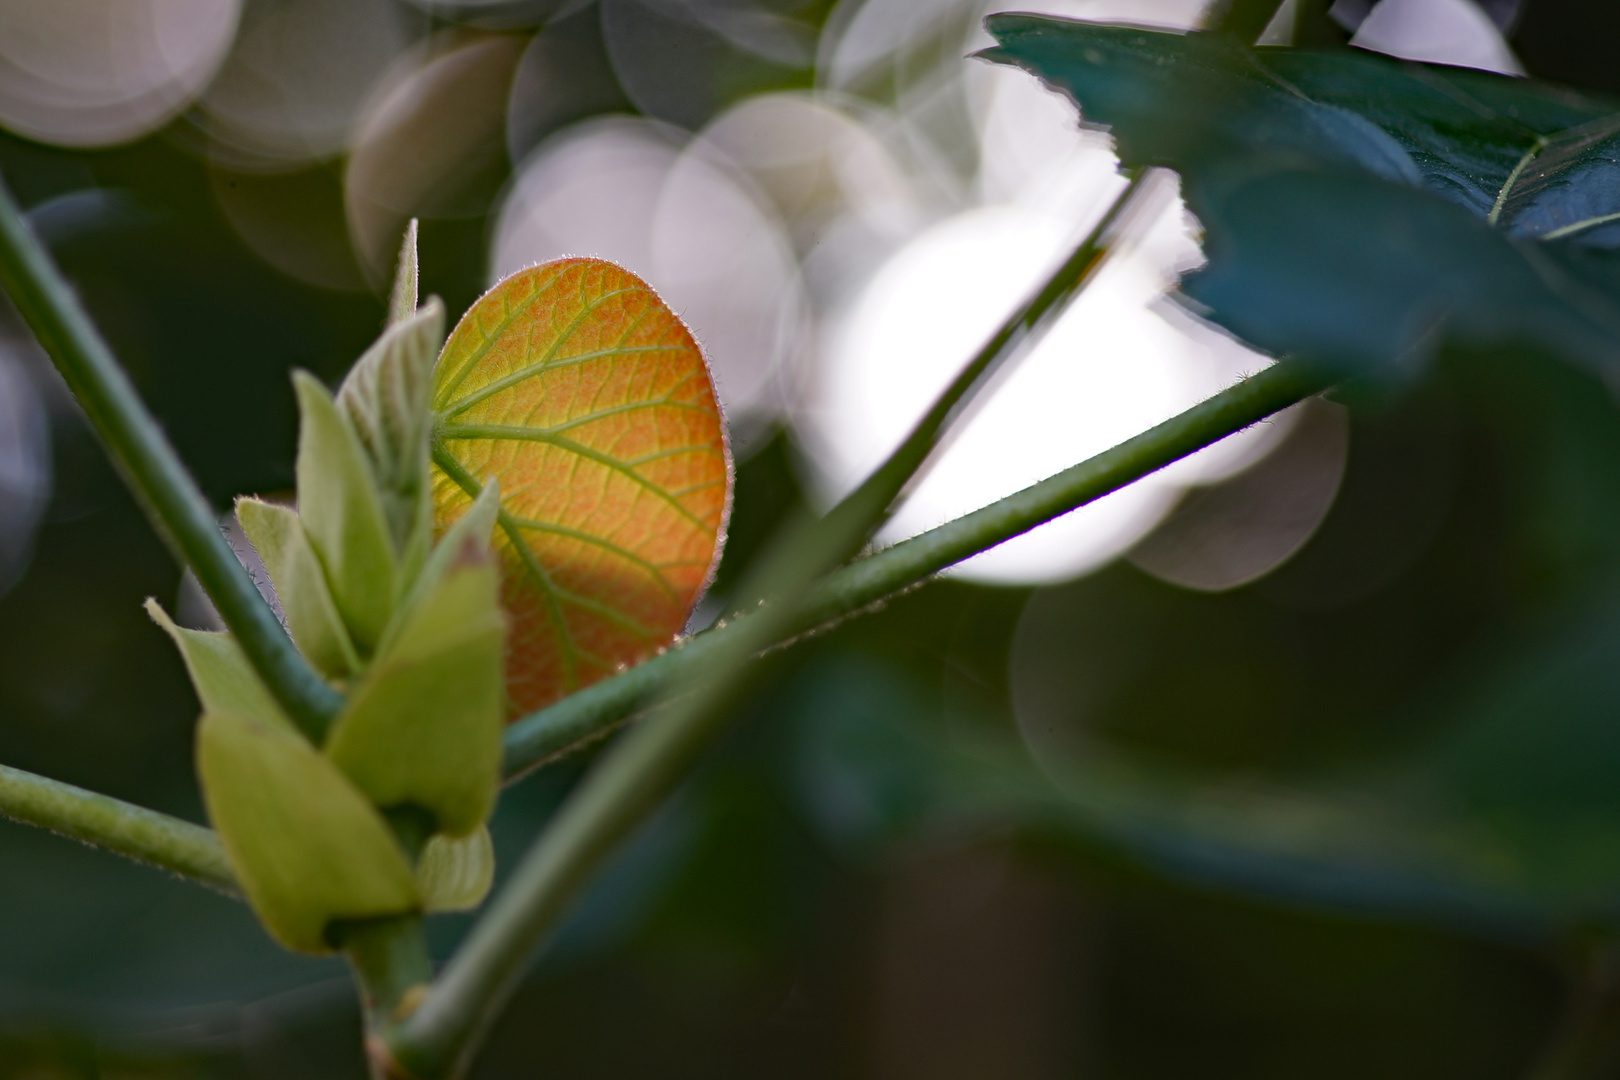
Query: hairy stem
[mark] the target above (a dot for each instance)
(140, 834)
(153, 470)
(596, 710)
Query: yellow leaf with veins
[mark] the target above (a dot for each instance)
(581, 392)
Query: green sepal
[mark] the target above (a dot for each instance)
(304, 844)
(220, 672)
(423, 726)
(312, 615)
(455, 873)
(343, 516)
(387, 400)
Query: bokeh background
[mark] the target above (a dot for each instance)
(1296, 759)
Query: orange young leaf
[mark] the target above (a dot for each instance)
(581, 393)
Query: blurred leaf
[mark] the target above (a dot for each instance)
(312, 616)
(577, 389)
(455, 874)
(305, 844)
(1350, 199)
(343, 515)
(1502, 823)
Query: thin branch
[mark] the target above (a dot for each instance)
(859, 514)
(593, 712)
(153, 471)
(147, 836)
(437, 1039)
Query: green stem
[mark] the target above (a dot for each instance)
(193, 851)
(1245, 20)
(391, 966)
(153, 470)
(859, 513)
(140, 834)
(593, 712)
(588, 715)
(630, 781)
(641, 770)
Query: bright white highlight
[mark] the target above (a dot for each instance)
(1437, 32)
(101, 72)
(1106, 370)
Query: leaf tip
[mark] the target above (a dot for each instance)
(402, 299)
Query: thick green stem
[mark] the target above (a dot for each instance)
(596, 710)
(153, 470)
(392, 968)
(143, 835)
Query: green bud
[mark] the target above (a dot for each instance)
(423, 724)
(312, 616)
(343, 515)
(387, 400)
(305, 845)
(454, 874)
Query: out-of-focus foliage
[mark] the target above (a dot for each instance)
(1332, 822)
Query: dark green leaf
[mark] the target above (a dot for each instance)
(1359, 209)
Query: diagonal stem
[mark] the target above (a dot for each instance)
(147, 836)
(533, 739)
(152, 469)
(591, 713)
(193, 851)
(437, 1040)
